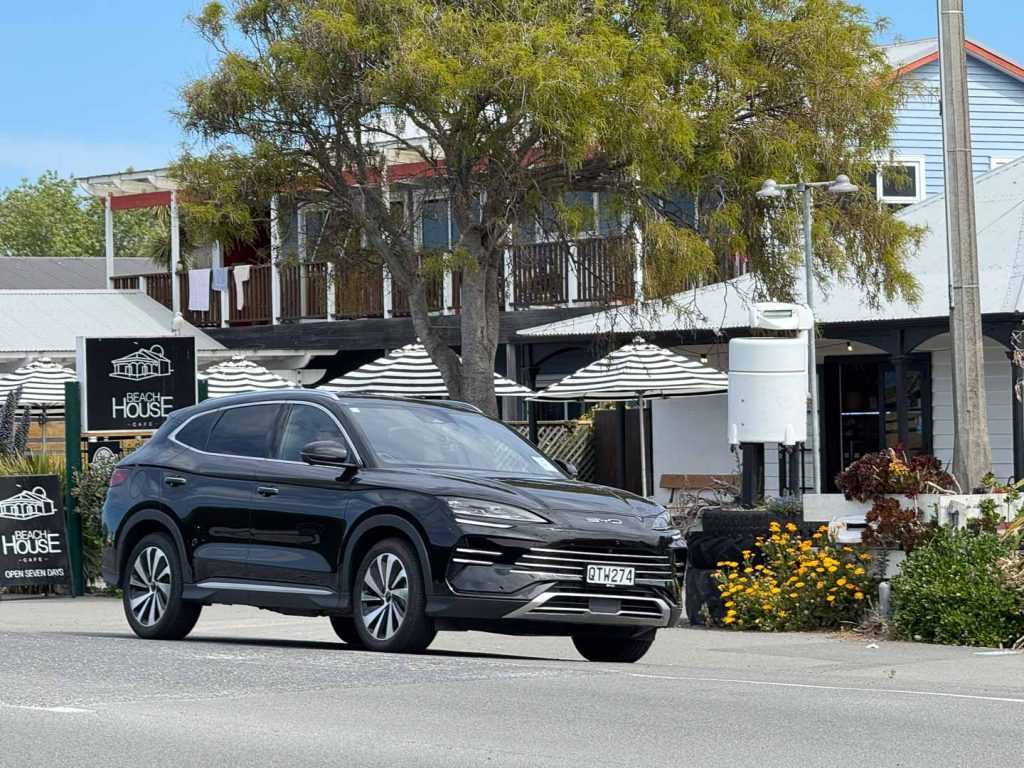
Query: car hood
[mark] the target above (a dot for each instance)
(541, 494)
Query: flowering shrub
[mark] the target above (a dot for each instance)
(891, 472)
(792, 583)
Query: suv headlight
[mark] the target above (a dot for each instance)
(662, 521)
(490, 510)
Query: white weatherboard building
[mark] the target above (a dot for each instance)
(884, 372)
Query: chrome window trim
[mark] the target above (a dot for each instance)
(252, 586)
(173, 437)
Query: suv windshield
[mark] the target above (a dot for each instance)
(407, 434)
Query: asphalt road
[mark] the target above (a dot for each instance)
(250, 688)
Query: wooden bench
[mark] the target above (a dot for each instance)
(694, 482)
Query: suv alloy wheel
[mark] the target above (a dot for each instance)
(152, 591)
(390, 600)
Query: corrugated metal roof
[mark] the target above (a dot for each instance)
(35, 322)
(999, 206)
(18, 273)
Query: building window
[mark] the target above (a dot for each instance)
(996, 162)
(901, 181)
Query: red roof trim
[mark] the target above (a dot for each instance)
(998, 61)
(983, 53)
(141, 200)
(916, 64)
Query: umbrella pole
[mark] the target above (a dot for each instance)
(643, 450)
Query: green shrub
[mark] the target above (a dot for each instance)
(952, 590)
(91, 485)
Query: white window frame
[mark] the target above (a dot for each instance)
(921, 192)
(995, 161)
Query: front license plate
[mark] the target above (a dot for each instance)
(611, 575)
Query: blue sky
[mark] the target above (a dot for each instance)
(87, 85)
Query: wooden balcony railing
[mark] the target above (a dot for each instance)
(540, 274)
(304, 291)
(359, 292)
(605, 270)
(595, 270)
(125, 282)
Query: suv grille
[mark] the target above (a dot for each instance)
(569, 564)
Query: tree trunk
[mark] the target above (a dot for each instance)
(440, 353)
(479, 337)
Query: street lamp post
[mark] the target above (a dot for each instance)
(841, 185)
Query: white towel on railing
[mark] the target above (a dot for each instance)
(199, 290)
(241, 273)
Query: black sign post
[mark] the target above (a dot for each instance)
(129, 386)
(33, 536)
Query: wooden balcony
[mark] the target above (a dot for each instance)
(596, 271)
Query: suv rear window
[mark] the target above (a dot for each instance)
(196, 432)
(244, 431)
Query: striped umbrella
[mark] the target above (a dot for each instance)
(41, 381)
(638, 371)
(240, 375)
(409, 372)
(42, 389)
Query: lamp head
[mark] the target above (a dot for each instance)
(842, 185)
(769, 189)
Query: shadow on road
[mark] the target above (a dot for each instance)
(312, 645)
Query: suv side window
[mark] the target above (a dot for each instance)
(244, 431)
(196, 433)
(303, 425)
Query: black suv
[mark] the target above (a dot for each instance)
(395, 518)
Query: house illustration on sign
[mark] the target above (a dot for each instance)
(142, 364)
(27, 505)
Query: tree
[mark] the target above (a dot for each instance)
(507, 106)
(48, 217)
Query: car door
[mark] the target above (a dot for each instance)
(211, 487)
(299, 511)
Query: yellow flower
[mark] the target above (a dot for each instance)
(728, 620)
(799, 584)
(820, 585)
(775, 590)
(816, 536)
(793, 594)
(832, 569)
(782, 614)
(767, 606)
(858, 595)
(831, 598)
(841, 582)
(732, 576)
(730, 604)
(864, 556)
(774, 527)
(748, 570)
(859, 571)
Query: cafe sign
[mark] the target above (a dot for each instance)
(33, 533)
(131, 385)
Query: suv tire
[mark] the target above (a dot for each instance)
(152, 585)
(345, 628)
(622, 650)
(390, 600)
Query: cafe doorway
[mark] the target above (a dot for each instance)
(870, 402)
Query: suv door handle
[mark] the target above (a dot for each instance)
(174, 481)
(266, 490)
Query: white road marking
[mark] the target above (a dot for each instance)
(769, 683)
(56, 710)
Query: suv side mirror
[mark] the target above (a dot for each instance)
(567, 467)
(326, 453)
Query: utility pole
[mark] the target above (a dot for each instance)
(972, 456)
